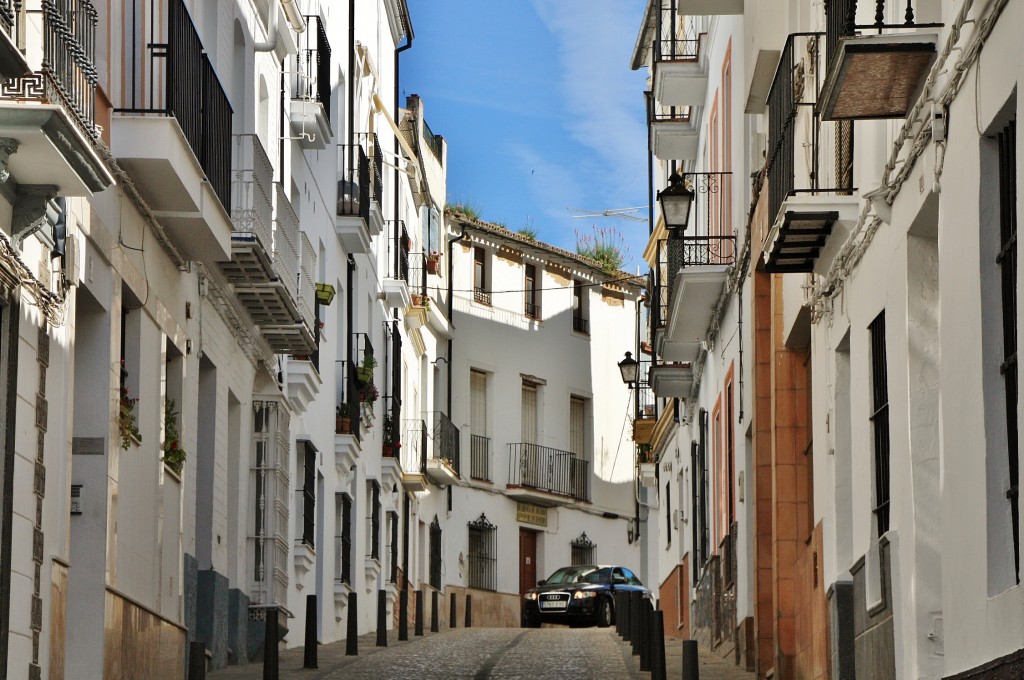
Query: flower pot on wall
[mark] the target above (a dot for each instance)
(364, 374)
(343, 425)
(432, 266)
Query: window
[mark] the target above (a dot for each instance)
(373, 518)
(482, 554)
(730, 453)
(699, 494)
(880, 421)
(343, 538)
(481, 292)
(529, 425)
(577, 426)
(306, 510)
(580, 323)
(269, 501)
(532, 310)
(435, 554)
(668, 514)
(1006, 260)
(392, 547)
(430, 228)
(480, 443)
(582, 550)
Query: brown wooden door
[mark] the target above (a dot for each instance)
(527, 560)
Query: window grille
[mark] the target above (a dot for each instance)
(668, 514)
(308, 495)
(582, 550)
(435, 554)
(482, 554)
(1007, 263)
(343, 539)
(580, 323)
(269, 503)
(373, 518)
(880, 421)
(392, 547)
(480, 443)
(480, 292)
(532, 310)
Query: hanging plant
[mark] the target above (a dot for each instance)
(174, 455)
(127, 425)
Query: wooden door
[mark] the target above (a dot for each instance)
(527, 560)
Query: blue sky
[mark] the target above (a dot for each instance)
(539, 108)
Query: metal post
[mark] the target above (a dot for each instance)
(645, 636)
(469, 610)
(691, 667)
(453, 614)
(658, 671)
(419, 612)
(403, 614)
(435, 624)
(352, 634)
(309, 652)
(625, 611)
(197, 660)
(618, 613)
(382, 618)
(634, 621)
(271, 637)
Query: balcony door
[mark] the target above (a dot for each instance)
(529, 462)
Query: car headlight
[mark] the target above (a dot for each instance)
(584, 594)
(531, 596)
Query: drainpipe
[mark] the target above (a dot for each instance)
(451, 307)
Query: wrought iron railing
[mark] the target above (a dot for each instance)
(432, 141)
(68, 73)
(580, 324)
(252, 210)
(446, 440)
(646, 402)
(392, 428)
(313, 76)
(548, 469)
(343, 544)
(398, 250)
(677, 35)
(669, 114)
(169, 74)
(354, 182)
(418, 274)
(841, 21)
(482, 296)
(480, 457)
(532, 311)
(482, 554)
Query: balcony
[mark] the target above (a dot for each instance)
(47, 110)
(692, 271)
(680, 74)
(645, 418)
(414, 456)
(172, 131)
(252, 241)
(671, 380)
(545, 476)
(360, 190)
(443, 465)
(674, 136)
(877, 59)
(811, 206)
(396, 279)
(310, 112)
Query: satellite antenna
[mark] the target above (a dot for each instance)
(615, 213)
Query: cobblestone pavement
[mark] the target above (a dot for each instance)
(473, 654)
(712, 667)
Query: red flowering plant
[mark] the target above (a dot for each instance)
(174, 455)
(128, 426)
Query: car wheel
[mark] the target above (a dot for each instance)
(605, 615)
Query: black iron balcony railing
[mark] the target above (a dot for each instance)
(313, 77)
(580, 324)
(446, 441)
(841, 21)
(68, 74)
(432, 141)
(646, 402)
(795, 86)
(679, 252)
(392, 429)
(532, 311)
(546, 469)
(678, 36)
(418, 274)
(190, 92)
(480, 457)
(360, 183)
(482, 296)
(349, 396)
(398, 250)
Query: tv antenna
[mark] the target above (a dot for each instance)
(615, 213)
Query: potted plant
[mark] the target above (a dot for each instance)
(343, 419)
(369, 393)
(364, 372)
(174, 455)
(127, 425)
(433, 260)
(391, 443)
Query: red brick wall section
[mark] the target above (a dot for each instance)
(764, 608)
(674, 600)
(811, 613)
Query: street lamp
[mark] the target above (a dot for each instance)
(628, 368)
(676, 200)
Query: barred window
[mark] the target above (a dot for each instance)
(343, 538)
(392, 547)
(880, 421)
(582, 550)
(532, 293)
(373, 518)
(307, 495)
(483, 551)
(435, 554)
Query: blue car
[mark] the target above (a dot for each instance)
(579, 596)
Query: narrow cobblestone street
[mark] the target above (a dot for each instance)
(486, 653)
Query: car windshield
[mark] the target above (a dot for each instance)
(579, 575)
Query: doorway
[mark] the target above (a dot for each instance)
(527, 560)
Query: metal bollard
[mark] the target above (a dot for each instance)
(645, 636)
(691, 666)
(453, 614)
(382, 618)
(618, 612)
(634, 621)
(197, 660)
(658, 670)
(469, 610)
(435, 624)
(309, 652)
(272, 635)
(352, 632)
(419, 612)
(625, 617)
(403, 614)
